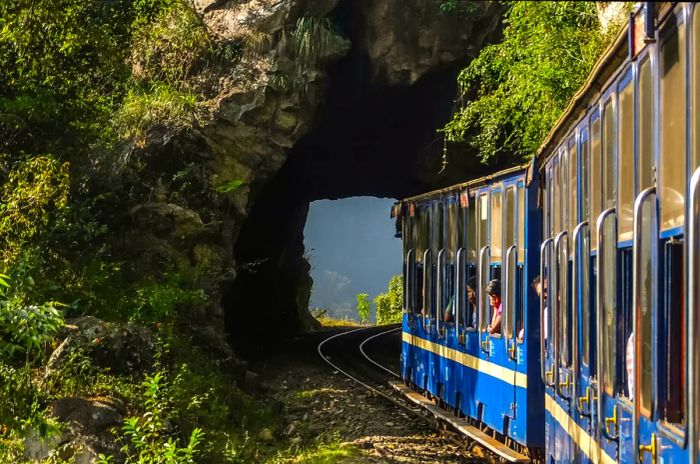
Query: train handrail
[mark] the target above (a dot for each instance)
(483, 301)
(636, 262)
(427, 269)
(509, 302)
(558, 303)
(694, 320)
(459, 288)
(600, 265)
(575, 355)
(543, 248)
(439, 309)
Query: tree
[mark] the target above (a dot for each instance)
(390, 304)
(364, 307)
(516, 89)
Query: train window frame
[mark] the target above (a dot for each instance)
(671, 225)
(584, 173)
(625, 178)
(608, 376)
(647, 299)
(695, 87)
(596, 154)
(646, 160)
(483, 215)
(521, 221)
(573, 196)
(496, 227)
(510, 219)
(609, 151)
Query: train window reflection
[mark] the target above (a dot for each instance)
(673, 102)
(609, 309)
(646, 134)
(496, 242)
(521, 223)
(596, 176)
(472, 248)
(609, 136)
(646, 291)
(585, 175)
(585, 299)
(626, 164)
(510, 218)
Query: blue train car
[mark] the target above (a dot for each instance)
(456, 240)
(606, 368)
(616, 172)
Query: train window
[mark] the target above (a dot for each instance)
(585, 299)
(483, 214)
(626, 164)
(696, 88)
(496, 242)
(510, 214)
(585, 174)
(595, 181)
(673, 103)
(521, 223)
(672, 403)
(646, 292)
(452, 227)
(472, 239)
(609, 136)
(563, 306)
(646, 134)
(573, 188)
(547, 230)
(609, 310)
(564, 185)
(438, 238)
(556, 200)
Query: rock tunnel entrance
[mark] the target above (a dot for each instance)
(371, 138)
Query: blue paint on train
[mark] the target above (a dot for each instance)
(607, 368)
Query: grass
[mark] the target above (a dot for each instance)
(320, 453)
(330, 322)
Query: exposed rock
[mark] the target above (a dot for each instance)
(123, 348)
(88, 416)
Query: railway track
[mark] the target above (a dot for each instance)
(370, 357)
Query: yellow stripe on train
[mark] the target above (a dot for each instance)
(583, 440)
(494, 370)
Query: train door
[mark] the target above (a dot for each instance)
(546, 351)
(490, 396)
(446, 298)
(694, 316)
(409, 285)
(581, 297)
(511, 304)
(467, 302)
(434, 309)
(663, 333)
(610, 326)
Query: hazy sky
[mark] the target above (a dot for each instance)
(353, 250)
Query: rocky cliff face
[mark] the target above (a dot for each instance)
(331, 99)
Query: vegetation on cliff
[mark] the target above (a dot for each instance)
(515, 90)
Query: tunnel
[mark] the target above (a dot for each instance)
(368, 140)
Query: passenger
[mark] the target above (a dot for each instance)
(471, 297)
(494, 291)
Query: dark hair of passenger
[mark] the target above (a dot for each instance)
(494, 288)
(472, 283)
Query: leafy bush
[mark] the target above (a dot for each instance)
(390, 304)
(31, 202)
(516, 89)
(364, 307)
(146, 438)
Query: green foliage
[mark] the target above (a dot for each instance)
(158, 301)
(161, 104)
(390, 304)
(364, 307)
(516, 89)
(169, 48)
(230, 186)
(308, 44)
(146, 438)
(32, 199)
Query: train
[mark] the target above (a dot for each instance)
(552, 308)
